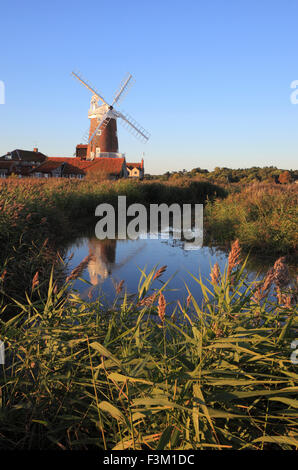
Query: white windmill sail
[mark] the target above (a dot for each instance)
(134, 127)
(105, 112)
(126, 83)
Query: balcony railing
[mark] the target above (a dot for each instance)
(110, 155)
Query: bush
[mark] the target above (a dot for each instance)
(263, 216)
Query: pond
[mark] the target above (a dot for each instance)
(116, 260)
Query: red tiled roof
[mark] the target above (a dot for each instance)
(109, 166)
(75, 161)
(134, 165)
(112, 166)
(60, 159)
(74, 165)
(54, 163)
(47, 166)
(72, 170)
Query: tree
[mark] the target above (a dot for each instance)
(285, 177)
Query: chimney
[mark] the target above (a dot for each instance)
(35, 149)
(142, 164)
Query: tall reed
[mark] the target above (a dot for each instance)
(150, 375)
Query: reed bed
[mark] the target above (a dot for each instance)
(46, 208)
(145, 374)
(33, 211)
(37, 216)
(263, 216)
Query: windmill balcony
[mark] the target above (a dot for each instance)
(110, 155)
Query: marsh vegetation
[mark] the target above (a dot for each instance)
(142, 372)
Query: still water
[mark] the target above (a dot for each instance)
(116, 260)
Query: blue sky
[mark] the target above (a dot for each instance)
(212, 78)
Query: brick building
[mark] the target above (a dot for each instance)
(136, 170)
(110, 165)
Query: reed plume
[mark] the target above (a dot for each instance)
(258, 295)
(147, 301)
(215, 274)
(281, 273)
(35, 281)
(263, 289)
(119, 287)
(269, 279)
(234, 256)
(159, 272)
(287, 300)
(162, 307)
(3, 275)
(217, 330)
(281, 280)
(76, 272)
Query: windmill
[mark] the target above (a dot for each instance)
(103, 140)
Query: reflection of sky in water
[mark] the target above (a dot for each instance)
(115, 260)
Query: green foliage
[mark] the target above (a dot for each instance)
(263, 217)
(285, 177)
(228, 175)
(45, 208)
(216, 376)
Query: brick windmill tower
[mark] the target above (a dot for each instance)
(103, 139)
